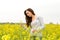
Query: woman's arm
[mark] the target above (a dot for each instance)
(41, 23)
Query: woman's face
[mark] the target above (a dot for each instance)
(28, 13)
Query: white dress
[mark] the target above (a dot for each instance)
(38, 25)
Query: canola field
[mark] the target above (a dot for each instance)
(15, 31)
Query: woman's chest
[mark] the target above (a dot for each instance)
(35, 22)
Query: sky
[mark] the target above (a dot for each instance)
(13, 10)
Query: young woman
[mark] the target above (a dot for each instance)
(35, 22)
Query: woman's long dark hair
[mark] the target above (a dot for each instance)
(28, 19)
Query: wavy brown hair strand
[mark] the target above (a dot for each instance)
(28, 19)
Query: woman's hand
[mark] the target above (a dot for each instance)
(33, 31)
(36, 31)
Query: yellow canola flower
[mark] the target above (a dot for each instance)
(6, 37)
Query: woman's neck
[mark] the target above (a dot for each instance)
(33, 17)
